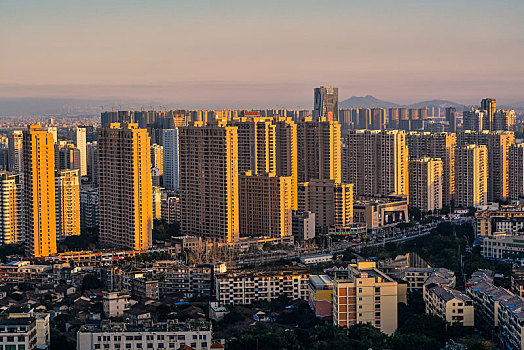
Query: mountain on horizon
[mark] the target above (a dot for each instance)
(373, 102)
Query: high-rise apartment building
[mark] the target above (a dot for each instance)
(497, 143)
(209, 181)
(331, 202)
(125, 188)
(170, 141)
(67, 156)
(54, 131)
(157, 158)
(366, 296)
(319, 150)
(364, 118)
(88, 208)
(81, 144)
(67, 201)
(490, 106)
(425, 184)
(378, 118)
(326, 103)
(256, 144)
(474, 121)
(393, 118)
(436, 145)
(451, 118)
(39, 191)
(286, 153)
(15, 144)
(516, 171)
(12, 213)
(377, 162)
(471, 176)
(504, 120)
(92, 162)
(266, 205)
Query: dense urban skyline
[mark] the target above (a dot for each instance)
(249, 53)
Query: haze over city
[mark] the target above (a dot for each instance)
(262, 53)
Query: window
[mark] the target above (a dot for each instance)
(97, 346)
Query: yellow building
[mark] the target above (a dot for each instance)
(266, 205)
(366, 296)
(125, 203)
(39, 184)
(208, 157)
(449, 304)
(319, 150)
(320, 292)
(471, 176)
(11, 207)
(497, 144)
(376, 162)
(425, 184)
(331, 202)
(439, 145)
(67, 203)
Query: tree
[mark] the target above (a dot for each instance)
(413, 341)
(91, 281)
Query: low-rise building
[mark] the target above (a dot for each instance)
(303, 225)
(41, 324)
(115, 303)
(449, 304)
(321, 296)
(18, 333)
(145, 288)
(417, 277)
(365, 295)
(380, 213)
(503, 247)
(244, 288)
(316, 259)
(171, 335)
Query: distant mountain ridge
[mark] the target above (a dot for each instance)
(373, 102)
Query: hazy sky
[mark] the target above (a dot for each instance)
(262, 52)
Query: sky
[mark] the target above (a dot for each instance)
(263, 53)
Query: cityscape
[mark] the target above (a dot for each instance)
(140, 216)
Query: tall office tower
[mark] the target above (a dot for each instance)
(364, 118)
(393, 118)
(474, 121)
(497, 143)
(81, 143)
(67, 203)
(436, 145)
(54, 131)
(88, 208)
(423, 113)
(124, 176)
(490, 106)
(286, 153)
(15, 145)
(266, 205)
(39, 191)
(377, 162)
(256, 144)
(504, 120)
(516, 171)
(471, 176)
(157, 158)
(425, 184)
(319, 150)
(326, 103)
(378, 118)
(209, 181)
(67, 156)
(12, 212)
(413, 114)
(451, 118)
(331, 202)
(170, 137)
(92, 162)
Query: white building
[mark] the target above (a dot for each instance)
(315, 259)
(197, 335)
(81, 144)
(170, 143)
(244, 288)
(115, 303)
